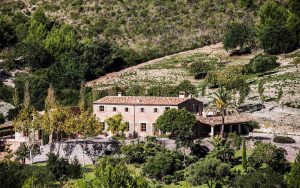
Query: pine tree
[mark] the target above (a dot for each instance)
(244, 155)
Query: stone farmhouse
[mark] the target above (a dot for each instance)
(141, 113)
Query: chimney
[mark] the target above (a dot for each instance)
(119, 94)
(181, 94)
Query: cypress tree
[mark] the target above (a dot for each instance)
(244, 155)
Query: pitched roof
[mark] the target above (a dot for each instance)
(141, 100)
(217, 120)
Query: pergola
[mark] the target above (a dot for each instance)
(229, 121)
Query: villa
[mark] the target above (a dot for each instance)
(141, 113)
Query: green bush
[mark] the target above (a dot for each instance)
(137, 153)
(168, 179)
(261, 63)
(5, 93)
(62, 169)
(15, 175)
(112, 172)
(200, 69)
(283, 140)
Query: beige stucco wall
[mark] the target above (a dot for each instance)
(148, 116)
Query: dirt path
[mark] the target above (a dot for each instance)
(213, 49)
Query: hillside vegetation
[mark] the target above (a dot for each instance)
(65, 43)
(144, 29)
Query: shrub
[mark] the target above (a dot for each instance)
(260, 178)
(137, 153)
(199, 151)
(5, 93)
(253, 125)
(159, 166)
(61, 168)
(112, 172)
(200, 69)
(261, 63)
(168, 179)
(234, 140)
(283, 139)
(134, 153)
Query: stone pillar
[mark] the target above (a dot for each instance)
(212, 131)
(230, 128)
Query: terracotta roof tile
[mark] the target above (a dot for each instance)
(141, 100)
(217, 120)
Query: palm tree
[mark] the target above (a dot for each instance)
(221, 103)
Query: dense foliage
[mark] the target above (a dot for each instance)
(61, 169)
(261, 63)
(208, 171)
(260, 178)
(267, 153)
(239, 35)
(180, 123)
(111, 172)
(283, 139)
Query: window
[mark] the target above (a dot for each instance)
(167, 108)
(101, 108)
(155, 110)
(114, 109)
(143, 127)
(126, 109)
(142, 110)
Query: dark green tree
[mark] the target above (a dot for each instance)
(99, 56)
(111, 172)
(277, 39)
(293, 178)
(61, 40)
(274, 35)
(180, 123)
(260, 178)
(239, 35)
(7, 32)
(267, 153)
(207, 171)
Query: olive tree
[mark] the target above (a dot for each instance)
(207, 171)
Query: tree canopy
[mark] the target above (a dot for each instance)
(180, 123)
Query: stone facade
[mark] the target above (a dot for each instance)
(142, 114)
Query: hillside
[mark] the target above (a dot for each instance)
(171, 70)
(147, 29)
